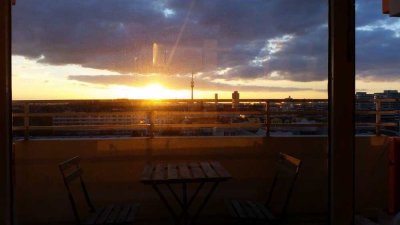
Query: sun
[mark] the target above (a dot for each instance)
(150, 91)
(154, 90)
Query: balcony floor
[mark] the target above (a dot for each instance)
(299, 219)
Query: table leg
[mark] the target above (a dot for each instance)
(189, 203)
(162, 197)
(175, 195)
(196, 193)
(185, 203)
(203, 204)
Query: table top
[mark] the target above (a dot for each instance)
(184, 172)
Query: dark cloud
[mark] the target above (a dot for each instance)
(378, 55)
(303, 59)
(377, 43)
(369, 11)
(118, 35)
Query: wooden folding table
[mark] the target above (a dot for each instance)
(183, 174)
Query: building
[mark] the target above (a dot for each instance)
(364, 101)
(386, 101)
(235, 100)
(389, 94)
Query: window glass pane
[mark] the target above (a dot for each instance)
(377, 108)
(125, 83)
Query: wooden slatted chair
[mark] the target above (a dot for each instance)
(254, 212)
(111, 214)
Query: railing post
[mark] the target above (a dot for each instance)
(268, 118)
(378, 117)
(150, 116)
(26, 121)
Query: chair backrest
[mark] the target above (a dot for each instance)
(288, 169)
(72, 172)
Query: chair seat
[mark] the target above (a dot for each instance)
(248, 210)
(114, 214)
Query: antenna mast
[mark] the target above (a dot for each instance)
(192, 84)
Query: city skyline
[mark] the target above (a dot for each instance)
(101, 50)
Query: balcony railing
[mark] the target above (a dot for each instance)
(150, 118)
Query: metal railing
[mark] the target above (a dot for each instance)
(150, 117)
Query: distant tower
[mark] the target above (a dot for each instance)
(216, 101)
(192, 85)
(235, 100)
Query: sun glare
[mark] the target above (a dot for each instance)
(151, 91)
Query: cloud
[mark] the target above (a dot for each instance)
(175, 82)
(377, 43)
(378, 55)
(118, 36)
(104, 79)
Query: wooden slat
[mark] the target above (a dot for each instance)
(238, 208)
(208, 170)
(159, 173)
(84, 114)
(367, 112)
(265, 211)
(249, 210)
(90, 127)
(299, 124)
(184, 171)
(221, 171)
(147, 172)
(377, 124)
(291, 159)
(172, 171)
(70, 162)
(94, 216)
(256, 210)
(207, 125)
(113, 216)
(313, 112)
(196, 170)
(210, 113)
(104, 216)
(132, 213)
(231, 209)
(123, 215)
(139, 113)
(74, 175)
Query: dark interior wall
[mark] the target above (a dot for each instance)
(5, 100)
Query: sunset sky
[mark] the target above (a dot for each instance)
(97, 49)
